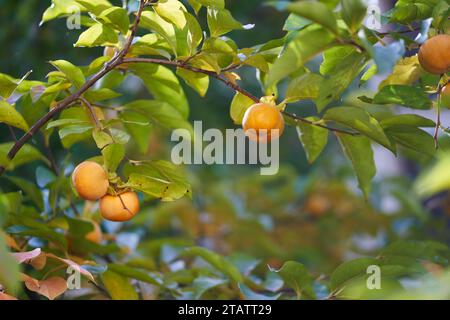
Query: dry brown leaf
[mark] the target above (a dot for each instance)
(74, 265)
(39, 262)
(11, 242)
(51, 288)
(4, 296)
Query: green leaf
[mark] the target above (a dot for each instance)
(239, 105)
(134, 273)
(152, 21)
(314, 139)
(407, 96)
(60, 8)
(164, 85)
(217, 4)
(25, 155)
(341, 65)
(74, 133)
(359, 120)
(217, 261)
(95, 6)
(140, 134)
(101, 94)
(295, 23)
(160, 112)
(220, 22)
(412, 120)
(251, 295)
(420, 250)
(172, 11)
(9, 268)
(406, 72)
(7, 85)
(412, 138)
(118, 17)
(113, 155)
(296, 276)
(30, 189)
(203, 284)
(316, 12)
(97, 35)
(198, 81)
(304, 87)
(360, 154)
(102, 139)
(118, 286)
(159, 179)
(353, 12)
(305, 46)
(9, 115)
(71, 72)
(350, 270)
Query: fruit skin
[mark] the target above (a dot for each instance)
(434, 54)
(90, 180)
(110, 51)
(445, 96)
(112, 207)
(262, 116)
(95, 235)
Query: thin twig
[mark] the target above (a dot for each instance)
(91, 112)
(438, 116)
(301, 119)
(232, 85)
(11, 131)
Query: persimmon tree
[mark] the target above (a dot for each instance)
(162, 43)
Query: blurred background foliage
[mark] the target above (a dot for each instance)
(311, 214)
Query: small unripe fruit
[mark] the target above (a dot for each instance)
(95, 235)
(445, 96)
(119, 208)
(434, 54)
(263, 122)
(90, 180)
(110, 52)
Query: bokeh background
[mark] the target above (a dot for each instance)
(309, 213)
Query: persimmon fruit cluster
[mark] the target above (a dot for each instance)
(434, 54)
(263, 122)
(91, 182)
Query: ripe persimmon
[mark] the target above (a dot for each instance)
(263, 122)
(119, 208)
(434, 54)
(95, 235)
(90, 180)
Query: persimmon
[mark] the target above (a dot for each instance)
(445, 96)
(317, 205)
(122, 207)
(90, 180)
(95, 235)
(263, 122)
(434, 54)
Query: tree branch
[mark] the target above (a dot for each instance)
(119, 59)
(232, 85)
(68, 101)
